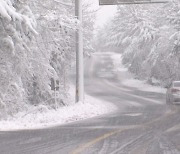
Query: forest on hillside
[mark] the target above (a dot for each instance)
(148, 36)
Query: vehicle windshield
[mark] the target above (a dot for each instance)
(176, 84)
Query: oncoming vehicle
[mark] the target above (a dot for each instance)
(173, 93)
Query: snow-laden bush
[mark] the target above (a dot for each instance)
(16, 31)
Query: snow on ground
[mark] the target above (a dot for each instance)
(127, 78)
(141, 85)
(43, 117)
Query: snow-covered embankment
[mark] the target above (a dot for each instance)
(44, 117)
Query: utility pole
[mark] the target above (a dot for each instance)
(79, 54)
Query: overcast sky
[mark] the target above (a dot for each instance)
(104, 13)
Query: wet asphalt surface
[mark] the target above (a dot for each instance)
(142, 124)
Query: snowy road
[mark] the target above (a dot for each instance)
(142, 125)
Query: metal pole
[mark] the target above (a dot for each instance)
(79, 54)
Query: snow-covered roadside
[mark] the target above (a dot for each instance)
(128, 78)
(143, 86)
(44, 117)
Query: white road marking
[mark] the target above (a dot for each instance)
(134, 114)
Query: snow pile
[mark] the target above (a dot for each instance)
(43, 117)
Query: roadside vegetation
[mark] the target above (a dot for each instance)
(37, 49)
(148, 36)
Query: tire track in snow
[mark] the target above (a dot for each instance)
(132, 144)
(168, 147)
(162, 145)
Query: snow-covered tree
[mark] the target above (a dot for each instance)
(17, 25)
(37, 47)
(149, 39)
(57, 25)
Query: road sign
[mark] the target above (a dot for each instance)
(54, 84)
(120, 2)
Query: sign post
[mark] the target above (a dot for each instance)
(121, 2)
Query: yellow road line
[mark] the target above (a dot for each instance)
(98, 139)
(83, 147)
